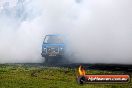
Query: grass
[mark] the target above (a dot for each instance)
(19, 76)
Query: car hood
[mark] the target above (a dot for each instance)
(53, 45)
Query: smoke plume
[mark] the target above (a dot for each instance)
(98, 31)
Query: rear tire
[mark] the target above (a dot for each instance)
(46, 60)
(54, 60)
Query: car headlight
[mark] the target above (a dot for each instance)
(44, 49)
(61, 49)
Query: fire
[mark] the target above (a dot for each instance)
(81, 71)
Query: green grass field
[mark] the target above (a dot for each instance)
(19, 76)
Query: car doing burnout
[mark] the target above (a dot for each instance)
(53, 47)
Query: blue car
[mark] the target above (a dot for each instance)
(53, 48)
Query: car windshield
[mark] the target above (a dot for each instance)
(54, 39)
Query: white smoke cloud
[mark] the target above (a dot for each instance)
(99, 31)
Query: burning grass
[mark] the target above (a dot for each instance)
(20, 76)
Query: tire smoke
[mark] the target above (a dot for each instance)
(98, 31)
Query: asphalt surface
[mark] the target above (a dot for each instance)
(110, 67)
